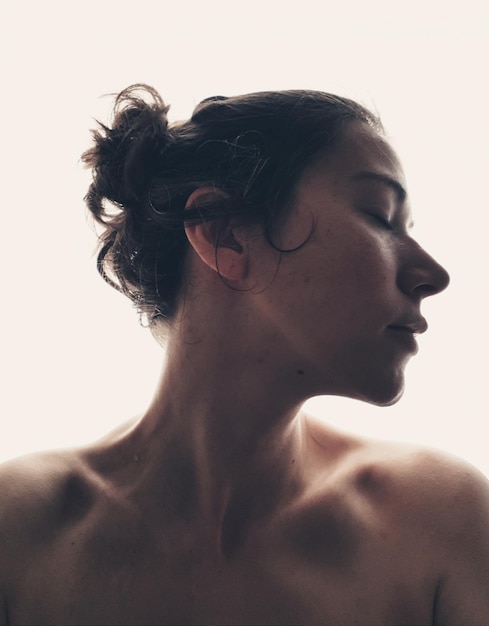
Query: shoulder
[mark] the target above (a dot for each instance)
(32, 494)
(31, 481)
(441, 488)
(55, 483)
(441, 503)
(435, 504)
(38, 494)
(436, 481)
(453, 511)
(412, 481)
(42, 493)
(459, 519)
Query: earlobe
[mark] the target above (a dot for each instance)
(216, 242)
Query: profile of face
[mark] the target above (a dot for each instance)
(347, 303)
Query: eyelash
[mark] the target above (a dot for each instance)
(382, 221)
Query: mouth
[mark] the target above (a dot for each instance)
(405, 329)
(406, 335)
(416, 327)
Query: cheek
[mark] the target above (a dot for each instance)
(357, 275)
(298, 229)
(353, 262)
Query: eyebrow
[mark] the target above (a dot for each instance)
(386, 179)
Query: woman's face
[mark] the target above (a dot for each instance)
(347, 304)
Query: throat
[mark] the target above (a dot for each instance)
(234, 528)
(248, 509)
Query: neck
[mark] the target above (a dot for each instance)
(224, 437)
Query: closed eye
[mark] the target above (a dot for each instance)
(381, 219)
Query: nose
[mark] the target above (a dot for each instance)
(422, 276)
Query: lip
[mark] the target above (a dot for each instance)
(405, 334)
(415, 326)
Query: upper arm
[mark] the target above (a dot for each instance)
(463, 596)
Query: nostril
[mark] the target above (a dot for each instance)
(430, 280)
(426, 290)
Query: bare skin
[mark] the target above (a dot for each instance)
(223, 503)
(369, 533)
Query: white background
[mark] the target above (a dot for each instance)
(74, 361)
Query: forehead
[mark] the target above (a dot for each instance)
(360, 151)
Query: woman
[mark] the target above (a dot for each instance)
(266, 242)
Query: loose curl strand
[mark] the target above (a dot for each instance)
(252, 147)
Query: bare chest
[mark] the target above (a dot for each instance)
(127, 578)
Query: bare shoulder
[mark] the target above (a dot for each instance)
(427, 490)
(39, 492)
(428, 479)
(52, 485)
(452, 507)
(439, 487)
(430, 499)
(454, 498)
(31, 483)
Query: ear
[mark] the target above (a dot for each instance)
(219, 244)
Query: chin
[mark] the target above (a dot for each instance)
(385, 394)
(389, 401)
(380, 387)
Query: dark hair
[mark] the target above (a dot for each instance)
(253, 147)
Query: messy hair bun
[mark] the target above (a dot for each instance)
(253, 147)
